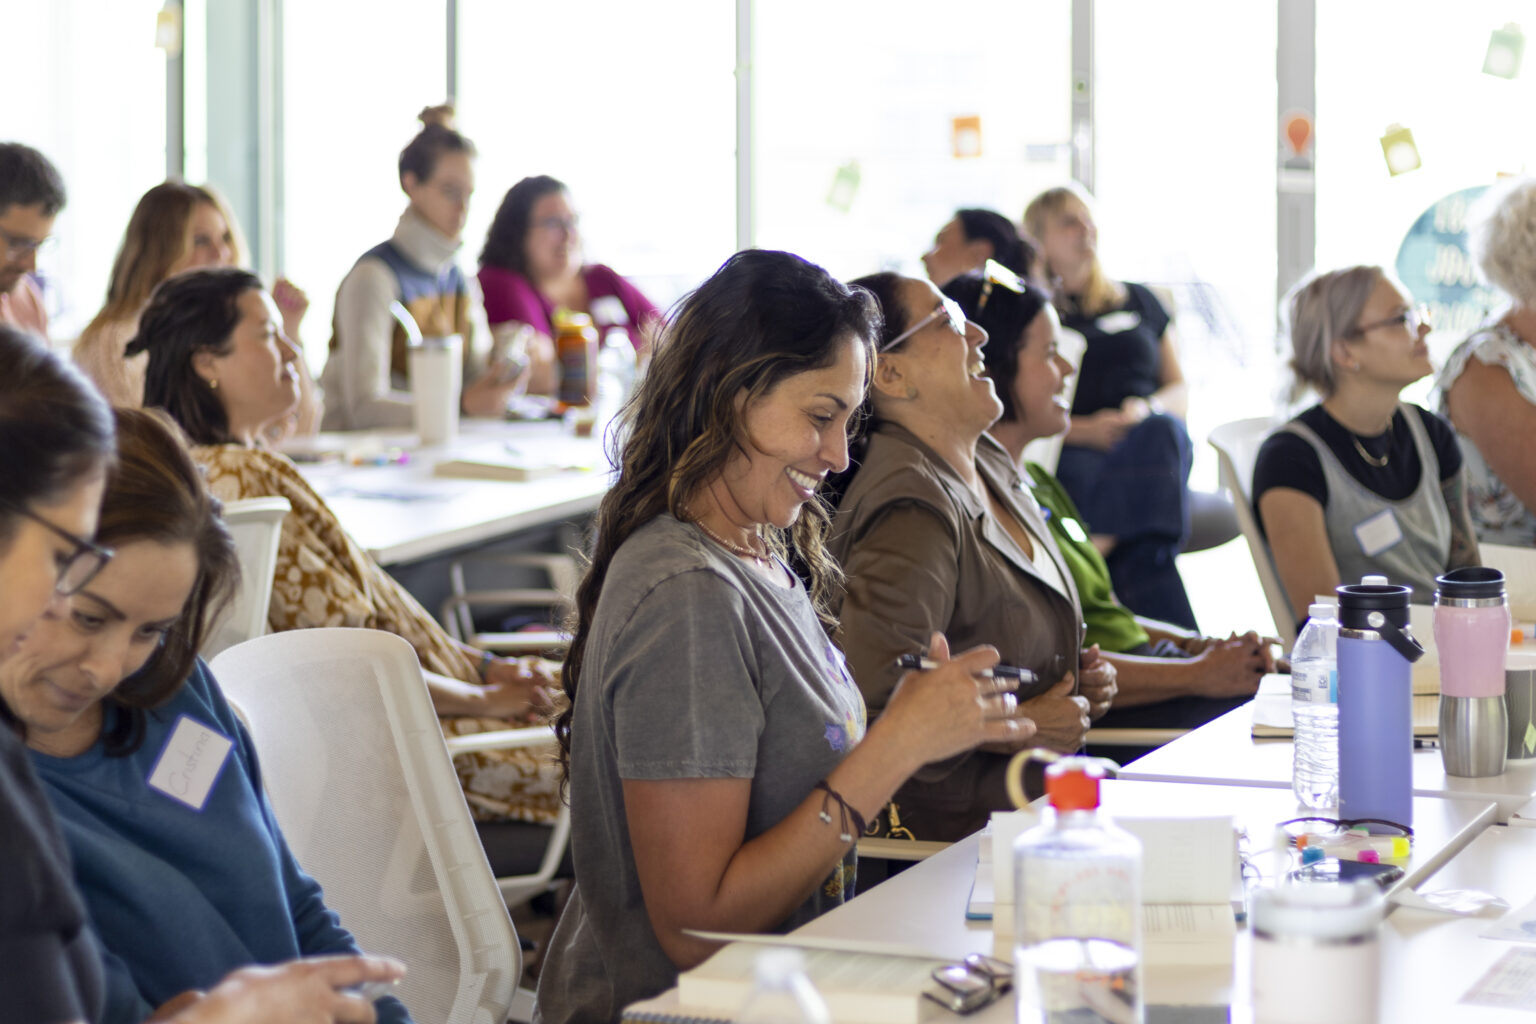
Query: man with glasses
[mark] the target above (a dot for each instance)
(31, 196)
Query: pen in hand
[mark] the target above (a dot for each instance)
(917, 662)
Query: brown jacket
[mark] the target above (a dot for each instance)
(922, 553)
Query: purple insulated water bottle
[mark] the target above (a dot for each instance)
(1376, 655)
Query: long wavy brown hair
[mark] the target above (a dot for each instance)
(761, 318)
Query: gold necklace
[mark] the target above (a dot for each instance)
(734, 548)
(1379, 461)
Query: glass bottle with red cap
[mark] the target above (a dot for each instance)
(1077, 913)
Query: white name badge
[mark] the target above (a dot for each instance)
(190, 762)
(1118, 322)
(1378, 533)
(608, 310)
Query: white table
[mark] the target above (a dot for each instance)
(1224, 752)
(402, 513)
(924, 906)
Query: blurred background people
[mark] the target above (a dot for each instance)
(973, 236)
(31, 196)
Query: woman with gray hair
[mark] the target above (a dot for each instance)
(1362, 482)
(1488, 386)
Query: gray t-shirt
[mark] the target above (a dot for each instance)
(696, 667)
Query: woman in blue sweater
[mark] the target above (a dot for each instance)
(183, 870)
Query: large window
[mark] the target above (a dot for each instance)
(354, 78)
(632, 105)
(87, 88)
(856, 106)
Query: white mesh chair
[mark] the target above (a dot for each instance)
(256, 524)
(1237, 447)
(361, 782)
(557, 598)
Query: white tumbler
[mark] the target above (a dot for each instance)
(437, 375)
(1316, 957)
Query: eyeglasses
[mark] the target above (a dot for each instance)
(1322, 826)
(17, 245)
(83, 563)
(994, 273)
(565, 225)
(1412, 319)
(948, 307)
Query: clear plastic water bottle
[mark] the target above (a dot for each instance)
(1077, 913)
(1315, 708)
(782, 993)
(615, 375)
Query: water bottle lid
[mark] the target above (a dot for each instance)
(775, 965)
(1358, 601)
(1470, 582)
(1072, 784)
(1319, 910)
(1374, 581)
(1322, 610)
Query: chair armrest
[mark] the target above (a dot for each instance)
(531, 641)
(501, 739)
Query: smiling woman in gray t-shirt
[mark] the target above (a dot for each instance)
(717, 755)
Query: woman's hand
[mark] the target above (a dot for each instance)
(1097, 681)
(1060, 716)
(298, 992)
(530, 680)
(292, 303)
(1102, 430)
(1233, 667)
(951, 709)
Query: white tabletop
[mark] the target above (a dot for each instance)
(1223, 751)
(925, 905)
(402, 513)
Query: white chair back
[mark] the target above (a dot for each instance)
(256, 524)
(1518, 565)
(1047, 450)
(1237, 448)
(362, 785)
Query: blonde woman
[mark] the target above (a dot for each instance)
(174, 228)
(1127, 455)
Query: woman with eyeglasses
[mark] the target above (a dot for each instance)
(56, 447)
(934, 534)
(1127, 454)
(532, 265)
(1361, 482)
(367, 375)
(1167, 676)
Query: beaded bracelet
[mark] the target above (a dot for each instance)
(845, 811)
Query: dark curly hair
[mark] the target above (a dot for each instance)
(506, 243)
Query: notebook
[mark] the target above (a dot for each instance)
(1272, 711)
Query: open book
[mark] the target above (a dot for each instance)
(1272, 710)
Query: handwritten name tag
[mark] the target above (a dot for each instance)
(190, 762)
(1119, 321)
(1378, 533)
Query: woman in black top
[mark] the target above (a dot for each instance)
(1127, 455)
(56, 448)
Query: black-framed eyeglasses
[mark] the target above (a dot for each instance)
(81, 565)
(1325, 826)
(1412, 319)
(993, 274)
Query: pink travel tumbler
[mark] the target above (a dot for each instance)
(1472, 636)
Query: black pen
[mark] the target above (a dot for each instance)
(918, 662)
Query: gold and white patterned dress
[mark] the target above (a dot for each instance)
(324, 579)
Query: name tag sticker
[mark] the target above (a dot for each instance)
(190, 762)
(1378, 533)
(1072, 529)
(608, 310)
(1119, 321)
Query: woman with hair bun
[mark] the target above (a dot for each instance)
(974, 236)
(367, 374)
(1488, 386)
(1361, 482)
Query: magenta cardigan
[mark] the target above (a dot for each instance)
(511, 296)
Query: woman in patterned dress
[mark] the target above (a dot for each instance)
(220, 364)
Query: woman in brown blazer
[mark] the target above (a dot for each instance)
(935, 533)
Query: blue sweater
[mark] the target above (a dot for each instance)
(181, 897)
